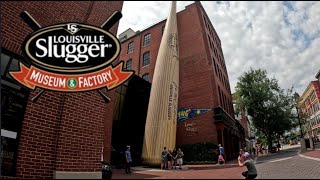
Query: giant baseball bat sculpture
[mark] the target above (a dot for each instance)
(160, 128)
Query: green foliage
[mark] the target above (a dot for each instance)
(293, 136)
(200, 152)
(269, 106)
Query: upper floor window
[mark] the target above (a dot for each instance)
(315, 107)
(146, 59)
(129, 64)
(130, 47)
(146, 40)
(146, 77)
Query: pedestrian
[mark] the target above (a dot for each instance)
(174, 158)
(128, 160)
(164, 158)
(169, 156)
(180, 156)
(251, 172)
(254, 151)
(221, 160)
(221, 150)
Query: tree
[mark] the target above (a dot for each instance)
(302, 118)
(269, 106)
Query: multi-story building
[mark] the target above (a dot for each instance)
(242, 117)
(318, 75)
(310, 104)
(62, 132)
(204, 82)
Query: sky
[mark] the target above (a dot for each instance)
(281, 37)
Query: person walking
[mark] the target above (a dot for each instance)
(180, 156)
(254, 151)
(164, 158)
(251, 172)
(221, 160)
(128, 160)
(221, 150)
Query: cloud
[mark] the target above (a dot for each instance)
(281, 37)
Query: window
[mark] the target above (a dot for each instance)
(315, 107)
(146, 40)
(313, 96)
(220, 96)
(146, 59)
(146, 77)
(209, 39)
(130, 47)
(4, 62)
(129, 64)
(14, 98)
(215, 67)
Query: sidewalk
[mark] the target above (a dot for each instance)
(231, 170)
(225, 173)
(312, 153)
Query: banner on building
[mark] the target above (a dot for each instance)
(187, 113)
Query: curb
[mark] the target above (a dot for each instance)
(307, 157)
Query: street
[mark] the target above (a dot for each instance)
(286, 164)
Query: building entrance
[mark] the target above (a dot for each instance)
(129, 118)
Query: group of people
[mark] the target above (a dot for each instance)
(170, 159)
(243, 160)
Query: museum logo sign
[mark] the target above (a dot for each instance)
(71, 57)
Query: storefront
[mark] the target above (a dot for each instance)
(14, 98)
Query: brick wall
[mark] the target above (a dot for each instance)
(199, 80)
(63, 132)
(140, 49)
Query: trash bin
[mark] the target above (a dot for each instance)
(106, 170)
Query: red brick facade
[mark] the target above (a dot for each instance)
(204, 80)
(61, 131)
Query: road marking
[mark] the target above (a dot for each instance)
(283, 159)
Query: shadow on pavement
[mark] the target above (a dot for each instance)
(278, 155)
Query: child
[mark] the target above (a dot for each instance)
(221, 160)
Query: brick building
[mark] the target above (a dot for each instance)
(310, 104)
(61, 132)
(203, 75)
